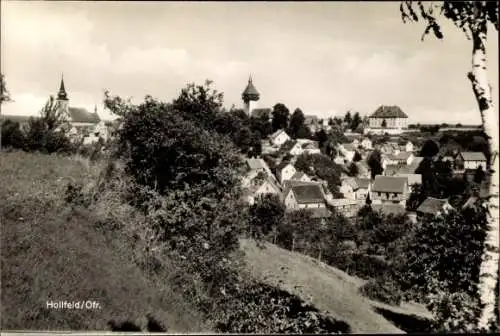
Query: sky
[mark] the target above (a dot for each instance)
(323, 57)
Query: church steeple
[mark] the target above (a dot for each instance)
(62, 95)
(250, 97)
(250, 93)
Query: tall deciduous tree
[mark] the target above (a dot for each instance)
(281, 116)
(296, 123)
(473, 18)
(374, 161)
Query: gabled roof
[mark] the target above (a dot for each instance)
(412, 178)
(310, 193)
(256, 184)
(282, 165)
(473, 156)
(311, 145)
(351, 181)
(348, 147)
(388, 112)
(298, 175)
(287, 146)
(432, 205)
(392, 169)
(276, 134)
(311, 119)
(389, 184)
(363, 183)
(403, 155)
(256, 164)
(78, 114)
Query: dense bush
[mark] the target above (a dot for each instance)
(383, 291)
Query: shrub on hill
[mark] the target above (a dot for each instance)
(383, 291)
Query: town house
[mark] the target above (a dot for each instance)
(285, 171)
(262, 184)
(433, 207)
(389, 189)
(279, 137)
(470, 161)
(347, 207)
(304, 196)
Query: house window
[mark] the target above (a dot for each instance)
(395, 195)
(387, 195)
(379, 194)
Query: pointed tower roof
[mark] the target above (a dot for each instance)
(250, 92)
(62, 95)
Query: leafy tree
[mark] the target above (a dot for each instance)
(479, 175)
(296, 123)
(472, 18)
(348, 119)
(447, 248)
(156, 136)
(281, 116)
(48, 133)
(266, 215)
(357, 157)
(374, 161)
(11, 134)
(199, 103)
(321, 167)
(356, 121)
(321, 137)
(429, 149)
(353, 169)
(262, 125)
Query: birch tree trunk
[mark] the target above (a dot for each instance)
(482, 90)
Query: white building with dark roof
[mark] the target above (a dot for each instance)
(389, 189)
(304, 195)
(387, 119)
(470, 160)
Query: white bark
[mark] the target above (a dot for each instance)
(490, 261)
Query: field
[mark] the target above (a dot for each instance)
(50, 251)
(53, 251)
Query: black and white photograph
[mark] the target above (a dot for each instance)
(266, 167)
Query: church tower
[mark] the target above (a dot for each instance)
(62, 100)
(250, 97)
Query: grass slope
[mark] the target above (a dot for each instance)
(325, 287)
(50, 251)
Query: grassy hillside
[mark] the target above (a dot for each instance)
(50, 251)
(329, 289)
